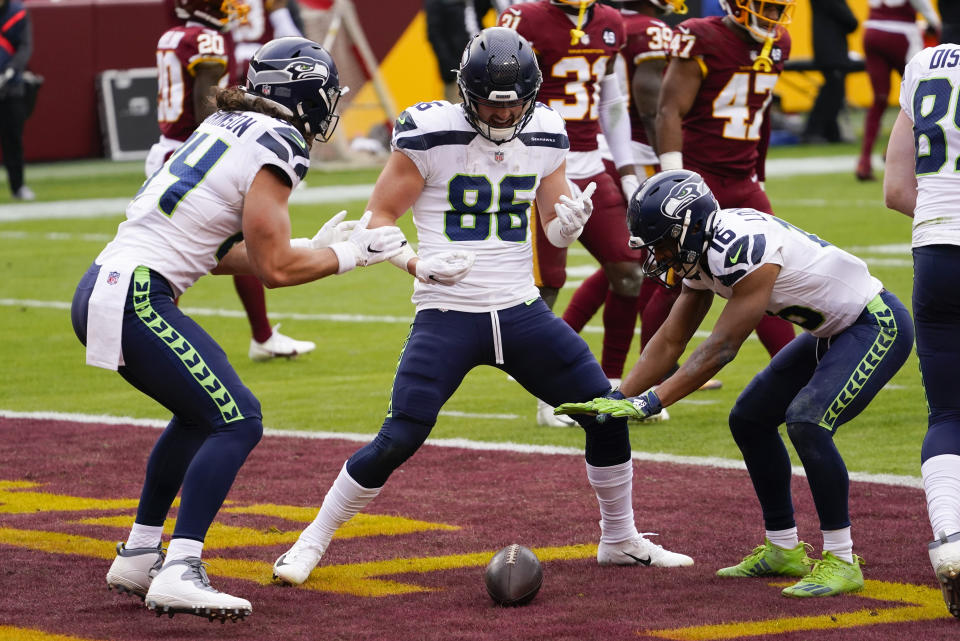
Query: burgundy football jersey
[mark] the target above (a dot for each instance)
(895, 10)
(571, 72)
(722, 130)
(179, 51)
(648, 38)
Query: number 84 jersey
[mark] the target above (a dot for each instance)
(478, 197)
(821, 288)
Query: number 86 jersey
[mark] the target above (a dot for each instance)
(477, 196)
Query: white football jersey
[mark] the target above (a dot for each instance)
(478, 197)
(821, 288)
(188, 213)
(929, 95)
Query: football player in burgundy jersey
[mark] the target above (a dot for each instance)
(890, 38)
(193, 59)
(712, 113)
(266, 20)
(576, 43)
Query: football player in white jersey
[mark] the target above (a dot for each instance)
(921, 181)
(230, 181)
(471, 172)
(857, 336)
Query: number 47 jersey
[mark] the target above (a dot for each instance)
(478, 196)
(190, 211)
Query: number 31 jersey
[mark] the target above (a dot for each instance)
(821, 288)
(189, 212)
(477, 196)
(929, 95)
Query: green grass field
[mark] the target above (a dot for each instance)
(359, 322)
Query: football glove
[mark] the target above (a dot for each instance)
(635, 407)
(447, 268)
(335, 230)
(573, 213)
(368, 246)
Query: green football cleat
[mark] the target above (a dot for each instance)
(830, 576)
(772, 560)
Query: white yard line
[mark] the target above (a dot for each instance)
(655, 457)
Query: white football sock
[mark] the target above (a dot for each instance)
(839, 543)
(614, 488)
(786, 539)
(180, 549)
(941, 482)
(144, 536)
(345, 499)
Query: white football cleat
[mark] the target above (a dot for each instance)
(640, 551)
(279, 345)
(295, 565)
(183, 587)
(134, 569)
(945, 557)
(546, 417)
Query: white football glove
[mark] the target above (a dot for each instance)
(368, 246)
(629, 184)
(573, 213)
(335, 230)
(447, 268)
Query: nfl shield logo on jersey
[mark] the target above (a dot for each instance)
(498, 156)
(113, 278)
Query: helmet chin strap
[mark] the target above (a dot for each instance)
(578, 32)
(763, 61)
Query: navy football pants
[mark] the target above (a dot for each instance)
(528, 341)
(216, 419)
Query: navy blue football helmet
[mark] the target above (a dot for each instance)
(300, 77)
(498, 69)
(675, 207)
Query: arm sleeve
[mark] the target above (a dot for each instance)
(614, 120)
(24, 48)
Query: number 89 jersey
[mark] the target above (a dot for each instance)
(477, 196)
(189, 212)
(821, 288)
(929, 95)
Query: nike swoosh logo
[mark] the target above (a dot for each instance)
(373, 251)
(402, 120)
(647, 561)
(733, 259)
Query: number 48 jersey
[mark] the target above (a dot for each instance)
(929, 95)
(477, 196)
(189, 212)
(821, 288)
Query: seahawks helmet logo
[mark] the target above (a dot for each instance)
(305, 69)
(681, 195)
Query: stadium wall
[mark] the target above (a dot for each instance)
(77, 39)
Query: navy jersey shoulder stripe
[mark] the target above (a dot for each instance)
(275, 146)
(435, 139)
(542, 139)
(293, 138)
(405, 122)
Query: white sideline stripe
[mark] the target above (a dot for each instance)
(96, 207)
(654, 457)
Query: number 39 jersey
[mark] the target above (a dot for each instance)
(820, 287)
(188, 213)
(929, 95)
(477, 197)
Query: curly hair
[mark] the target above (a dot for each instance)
(236, 99)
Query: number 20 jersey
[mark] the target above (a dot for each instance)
(929, 95)
(820, 287)
(477, 197)
(189, 212)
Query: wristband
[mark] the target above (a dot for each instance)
(346, 255)
(671, 160)
(303, 243)
(402, 259)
